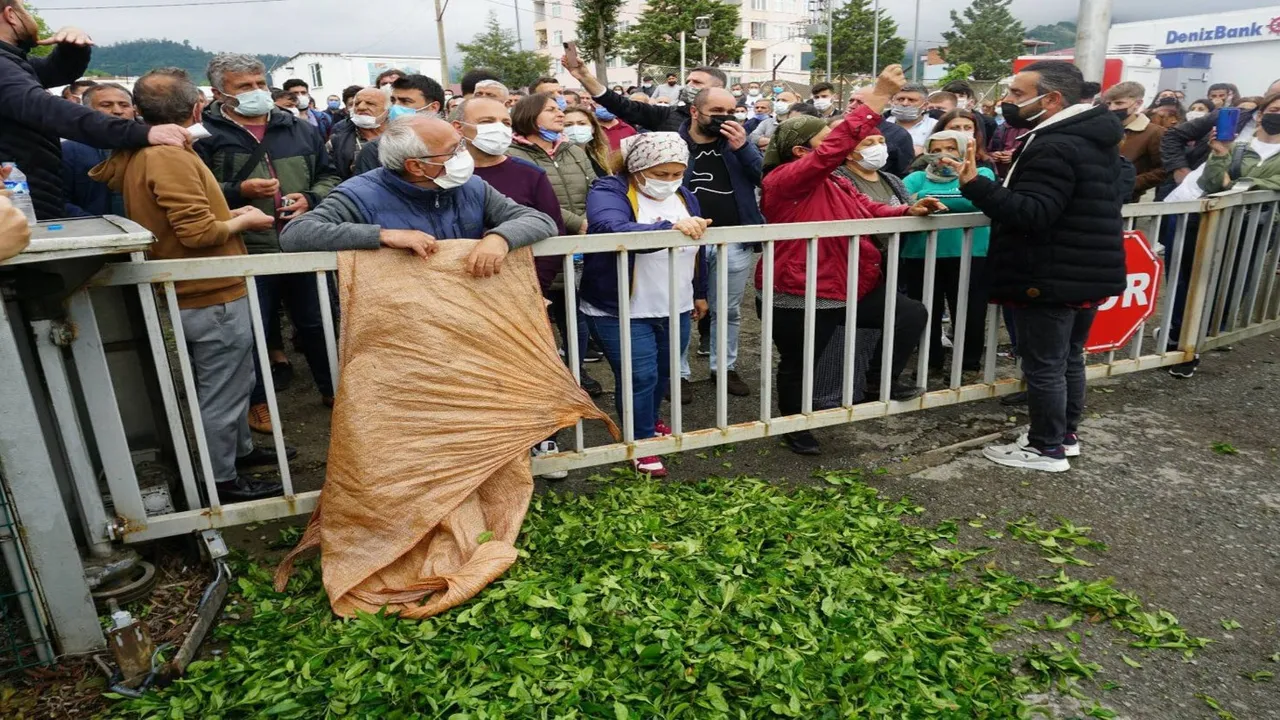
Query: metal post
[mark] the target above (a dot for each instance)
(915, 48)
(515, 5)
(681, 57)
(444, 54)
(828, 2)
(704, 52)
(1092, 26)
(875, 42)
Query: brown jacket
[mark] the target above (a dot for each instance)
(1141, 145)
(171, 192)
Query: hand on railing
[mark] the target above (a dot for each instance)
(415, 241)
(486, 259)
(14, 233)
(927, 206)
(694, 227)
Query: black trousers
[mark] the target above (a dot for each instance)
(946, 288)
(788, 337)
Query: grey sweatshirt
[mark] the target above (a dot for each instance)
(336, 224)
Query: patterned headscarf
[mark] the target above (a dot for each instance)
(793, 132)
(651, 149)
(935, 170)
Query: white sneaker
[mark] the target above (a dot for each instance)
(549, 447)
(1070, 444)
(1027, 458)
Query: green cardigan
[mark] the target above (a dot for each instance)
(950, 242)
(1265, 175)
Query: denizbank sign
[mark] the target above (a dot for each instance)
(1249, 32)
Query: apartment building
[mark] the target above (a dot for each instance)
(774, 30)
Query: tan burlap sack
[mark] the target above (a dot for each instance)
(446, 382)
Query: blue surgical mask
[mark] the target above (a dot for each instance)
(399, 111)
(334, 104)
(548, 135)
(561, 103)
(604, 115)
(778, 89)
(254, 103)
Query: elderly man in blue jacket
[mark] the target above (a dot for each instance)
(32, 121)
(723, 174)
(425, 191)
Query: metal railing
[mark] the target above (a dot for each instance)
(1230, 286)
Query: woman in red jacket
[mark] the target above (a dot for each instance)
(800, 186)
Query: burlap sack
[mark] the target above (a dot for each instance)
(446, 382)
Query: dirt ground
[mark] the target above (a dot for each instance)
(1192, 529)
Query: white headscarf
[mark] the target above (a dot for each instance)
(651, 149)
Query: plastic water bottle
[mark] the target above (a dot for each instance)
(16, 183)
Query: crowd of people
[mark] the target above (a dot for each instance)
(405, 163)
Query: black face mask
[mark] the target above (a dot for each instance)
(1270, 123)
(711, 124)
(1014, 118)
(1121, 115)
(936, 113)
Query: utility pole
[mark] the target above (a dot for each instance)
(828, 3)
(681, 57)
(444, 54)
(519, 40)
(875, 43)
(1092, 28)
(915, 45)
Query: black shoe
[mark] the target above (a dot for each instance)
(901, 392)
(802, 442)
(246, 488)
(592, 355)
(1185, 370)
(263, 458)
(736, 385)
(281, 375)
(686, 392)
(591, 385)
(704, 346)
(1018, 398)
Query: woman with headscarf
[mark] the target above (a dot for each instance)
(800, 185)
(939, 181)
(646, 194)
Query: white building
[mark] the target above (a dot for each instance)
(330, 73)
(1244, 46)
(774, 30)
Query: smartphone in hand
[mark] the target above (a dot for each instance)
(572, 60)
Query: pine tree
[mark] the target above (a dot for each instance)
(495, 49)
(988, 38)
(853, 38)
(598, 33)
(655, 40)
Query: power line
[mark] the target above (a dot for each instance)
(46, 8)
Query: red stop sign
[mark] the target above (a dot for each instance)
(1120, 316)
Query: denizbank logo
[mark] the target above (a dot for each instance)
(1224, 32)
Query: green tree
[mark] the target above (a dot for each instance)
(656, 38)
(598, 33)
(1062, 35)
(41, 50)
(495, 49)
(988, 38)
(963, 71)
(853, 39)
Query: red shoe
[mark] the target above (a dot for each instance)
(662, 428)
(651, 466)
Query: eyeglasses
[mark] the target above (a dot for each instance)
(461, 149)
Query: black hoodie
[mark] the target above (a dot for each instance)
(1057, 233)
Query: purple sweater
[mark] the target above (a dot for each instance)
(527, 184)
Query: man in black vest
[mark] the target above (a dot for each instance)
(1056, 248)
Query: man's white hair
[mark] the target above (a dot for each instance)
(493, 84)
(399, 143)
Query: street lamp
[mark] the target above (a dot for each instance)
(702, 28)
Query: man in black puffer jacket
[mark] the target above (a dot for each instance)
(32, 120)
(1056, 248)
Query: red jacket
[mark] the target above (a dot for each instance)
(805, 190)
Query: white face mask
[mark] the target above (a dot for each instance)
(780, 107)
(962, 103)
(660, 189)
(365, 122)
(822, 104)
(457, 171)
(753, 93)
(1196, 114)
(579, 134)
(740, 116)
(874, 157)
(492, 138)
(304, 101)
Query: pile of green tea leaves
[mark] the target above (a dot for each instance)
(722, 598)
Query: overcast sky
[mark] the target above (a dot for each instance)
(406, 27)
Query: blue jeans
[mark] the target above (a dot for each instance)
(650, 370)
(1051, 345)
(741, 262)
(299, 295)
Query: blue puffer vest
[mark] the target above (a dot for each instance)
(387, 201)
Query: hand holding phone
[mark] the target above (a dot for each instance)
(572, 61)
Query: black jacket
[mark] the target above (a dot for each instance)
(1056, 234)
(1186, 146)
(902, 150)
(344, 147)
(655, 118)
(32, 121)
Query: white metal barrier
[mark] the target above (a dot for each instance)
(1231, 295)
